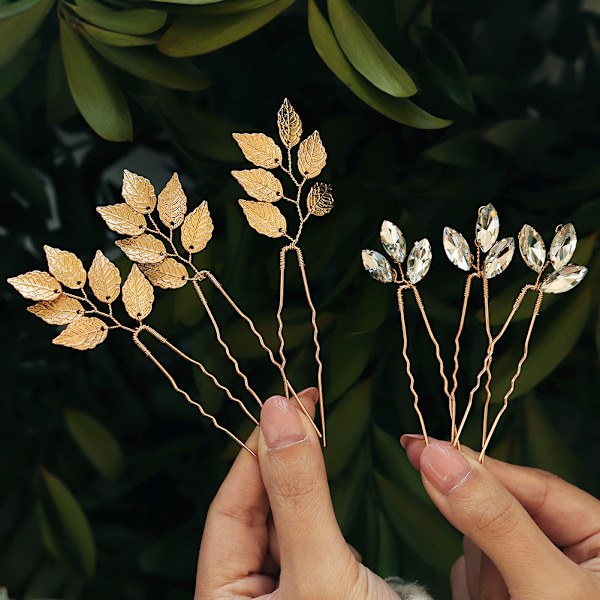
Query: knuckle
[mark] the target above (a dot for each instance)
(495, 516)
(296, 482)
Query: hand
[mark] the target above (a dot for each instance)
(271, 532)
(528, 534)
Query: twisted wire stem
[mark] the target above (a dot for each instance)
(280, 310)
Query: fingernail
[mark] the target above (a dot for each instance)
(311, 393)
(407, 437)
(444, 466)
(281, 423)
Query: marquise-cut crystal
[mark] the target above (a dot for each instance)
(393, 241)
(419, 260)
(487, 227)
(563, 246)
(457, 248)
(499, 257)
(377, 266)
(532, 248)
(564, 280)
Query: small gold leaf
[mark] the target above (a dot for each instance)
(259, 149)
(123, 219)
(197, 229)
(311, 156)
(83, 333)
(138, 295)
(290, 125)
(61, 311)
(265, 218)
(144, 248)
(138, 192)
(105, 279)
(260, 184)
(172, 203)
(66, 267)
(319, 200)
(36, 285)
(168, 274)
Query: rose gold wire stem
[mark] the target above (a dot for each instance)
(536, 312)
(149, 354)
(486, 311)
(223, 344)
(407, 361)
(165, 341)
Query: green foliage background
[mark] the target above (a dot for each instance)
(105, 473)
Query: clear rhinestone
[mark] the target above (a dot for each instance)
(564, 280)
(499, 257)
(377, 266)
(563, 246)
(393, 241)
(487, 227)
(457, 248)
(419, 260)
(532, 248)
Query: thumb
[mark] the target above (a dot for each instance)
(477, 504)
(293, 471)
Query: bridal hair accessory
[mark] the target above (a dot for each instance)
(162, 255)
(498, 255)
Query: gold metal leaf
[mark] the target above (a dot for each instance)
(197, 229)
(259, 149)
(104, 278)
(138, 295)
(265, 218)
(61, 311)
(311, 156)
(289, 124)
(36, 285)
(168, 274)
(260, 184)
(143, 249)
(138, 192)
(123, 219)
(66, 267)
(172, 203)
(319, 200)
(84, 333)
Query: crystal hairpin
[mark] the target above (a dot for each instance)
(498, 256)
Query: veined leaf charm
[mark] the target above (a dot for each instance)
(487, 227)
(260, 184)
(419, 261)
(319, 200)
(563, 246)
(36, 285)
(564, 280)
(499, 257)
(393, 241)
(289, 125)
(61, 311)
(138, 295)
(104, 278)
(83, 333)
(123, 219)
(66, 267)
(311, 156)
(172, 203)
(138, 192)
(264, 218)
(456, 248)
(259, 149)
(532, 249)
(168, 274)
(377, 266)
(144, 248)
(196, 230)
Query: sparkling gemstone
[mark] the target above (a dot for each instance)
(377, 266)
(393, 241)
(532, 248)
(564, 280)
(419, 260)
(499, 257)
(457, 248)
(487, 227)
(563, 246)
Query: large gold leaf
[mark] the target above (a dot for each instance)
(66, 267)
(168, 274)
(123, 219)
(144, 249)
(289, 124)
(259, 149)
(265, 218)
(83, 333)
(138, 192)
(172, 203)
(36, 285)
(260, 184)
(197, 229)
(311, 156)
(319, 200)
(138, 295)
(61, 311)
(105, 279)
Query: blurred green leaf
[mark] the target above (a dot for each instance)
(18, 69)
(399, 109)
(227, 7)
(405, 9)
(466, 150)
(20, 174)
(121, 40)
(96, 442)
(94, 89)
(366, 53)
(388, 555)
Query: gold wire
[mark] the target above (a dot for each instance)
(280, 310)
(486, 311)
